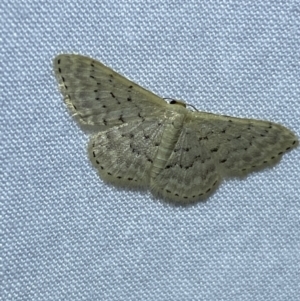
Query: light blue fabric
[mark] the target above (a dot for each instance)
(68, 236)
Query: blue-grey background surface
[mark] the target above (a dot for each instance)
(68, 236)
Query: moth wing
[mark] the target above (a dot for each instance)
(97, 95)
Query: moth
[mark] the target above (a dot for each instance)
(143, 140)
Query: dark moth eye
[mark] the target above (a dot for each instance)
(173, 102)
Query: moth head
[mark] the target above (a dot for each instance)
(178, 102)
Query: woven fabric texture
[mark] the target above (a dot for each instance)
(66, 235)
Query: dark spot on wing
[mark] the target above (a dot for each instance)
(139, 114)
(203, 138)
